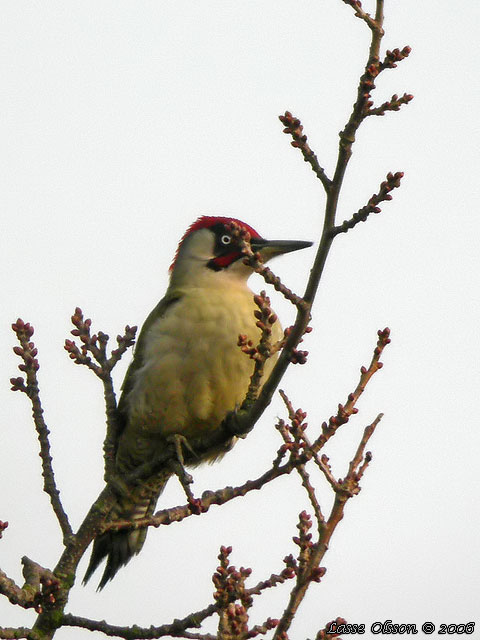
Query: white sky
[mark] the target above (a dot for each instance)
(123, 121)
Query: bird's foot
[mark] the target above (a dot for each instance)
(179, 443)
(178, 463)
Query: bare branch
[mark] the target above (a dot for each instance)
(10, 633)
(259, 354)
(312, 496)
(176, 629)
(14, 593)
(294, 127)
(209, 498)
(308, 571)
(230, 587)
(28, 352)
(393, 104)
(39, 590)
(347, 138)
(373, 24)
(392, 57)
(349, 408)
(392, 182)
(360, 461)
(275, 579)
(96, 345)
(297, 428)
(312, 553)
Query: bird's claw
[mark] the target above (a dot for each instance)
(178, 441)
(178, 464)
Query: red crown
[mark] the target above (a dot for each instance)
(205, 222)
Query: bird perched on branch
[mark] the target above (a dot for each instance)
(188, 371)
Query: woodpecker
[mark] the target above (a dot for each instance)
(187, 372)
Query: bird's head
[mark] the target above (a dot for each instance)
(209, 246)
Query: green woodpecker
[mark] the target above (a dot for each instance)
(187, 372)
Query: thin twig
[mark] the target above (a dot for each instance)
(28, 352)
(175, 629)
(263, 351)
(39, 590)
(96, 345)
(393, 104)
(274, 580)
(360, 461)
(208, 498)
(392, 182)
(306, 483)
(345, 411)
(294, 127)
(297, 428)
(363, 15)
(13, 633)
(312, 571)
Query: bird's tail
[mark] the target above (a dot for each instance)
(120, 546)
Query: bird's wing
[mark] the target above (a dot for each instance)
(160, 310)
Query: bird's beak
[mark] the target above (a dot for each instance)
(271, 248)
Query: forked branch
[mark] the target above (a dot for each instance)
(95, 346)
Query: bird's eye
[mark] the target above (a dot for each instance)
(225, 239)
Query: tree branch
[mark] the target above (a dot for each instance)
(28, 352)
(102, 368)
(174, 629)
(313, 553)
(294, 127)
(10, 633)
(373, 24)
(392, 182)
(264, 349)
(348, 409)
(393, 104)
(38, 591)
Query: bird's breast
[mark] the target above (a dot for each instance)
(193, 372)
